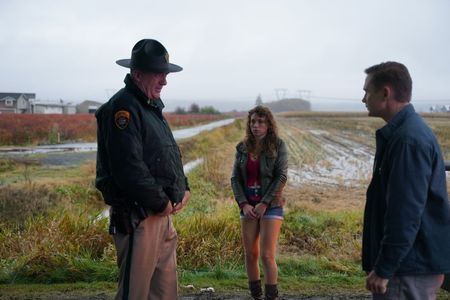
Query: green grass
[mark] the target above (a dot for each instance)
(50, 235)
(335, 235)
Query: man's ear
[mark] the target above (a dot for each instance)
(387, 92)
(136, 74)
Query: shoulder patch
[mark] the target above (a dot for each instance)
(121, 119)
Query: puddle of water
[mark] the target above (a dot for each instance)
(73, 147)
(86, 147)
(345, 171)
(348, 163)
(192, 165)
(190, 132)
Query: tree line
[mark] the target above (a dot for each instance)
(194, 108)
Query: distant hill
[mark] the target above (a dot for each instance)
(292, 104)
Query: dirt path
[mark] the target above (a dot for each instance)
(103, 296)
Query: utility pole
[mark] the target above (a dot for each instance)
(304, 94)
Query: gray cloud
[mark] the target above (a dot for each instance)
(231, 50)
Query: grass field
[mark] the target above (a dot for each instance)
(52, 239)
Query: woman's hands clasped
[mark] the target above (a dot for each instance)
(254, 212)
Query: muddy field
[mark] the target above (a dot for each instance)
(329, 167)
(331, 158)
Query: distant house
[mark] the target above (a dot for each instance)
(16, 103)
(440, 108)
(88, 107)
(69, 109)
(38, 107)
(51, 107)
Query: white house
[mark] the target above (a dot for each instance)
(16, 103)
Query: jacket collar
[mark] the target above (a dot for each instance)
(130, 85)
(388, 130)
(241, 148)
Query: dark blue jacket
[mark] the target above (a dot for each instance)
(407, 214)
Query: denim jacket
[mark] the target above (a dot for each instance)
(273, 172)
(407, 214)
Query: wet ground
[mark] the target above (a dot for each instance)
(92, 147)
(75, 153)
(237, 297)
(67, 158)
(102, 296)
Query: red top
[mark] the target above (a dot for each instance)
(253, 178)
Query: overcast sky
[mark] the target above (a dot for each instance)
(230, 50)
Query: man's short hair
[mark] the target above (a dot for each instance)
(393, 74)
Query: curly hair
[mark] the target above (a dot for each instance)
(269, 143)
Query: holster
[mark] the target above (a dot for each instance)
(141, 212)
(120, 221)
(446, 283)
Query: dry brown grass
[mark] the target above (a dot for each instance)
(210, 240)
(325, 198)
(20, 202)
(321, 221)
(217, 148)
(324, 114)
(441, 127)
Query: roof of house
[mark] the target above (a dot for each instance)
(16, 96)
(91, 103)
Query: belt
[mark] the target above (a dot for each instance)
(251, 191)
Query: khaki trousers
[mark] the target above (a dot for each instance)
(149, 270)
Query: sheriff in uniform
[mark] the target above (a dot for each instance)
(140, 175)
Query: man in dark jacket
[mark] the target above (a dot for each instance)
(406, 235)
(140, 175)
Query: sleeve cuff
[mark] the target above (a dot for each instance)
(187, 184)
(242, 204)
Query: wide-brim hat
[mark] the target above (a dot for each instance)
(149, 55)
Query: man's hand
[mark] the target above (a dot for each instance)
(167, 211)
(183, 202)
(375, 284)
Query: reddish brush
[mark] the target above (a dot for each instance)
(25, 129)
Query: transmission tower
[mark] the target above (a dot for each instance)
(281, 93)
(304, 94)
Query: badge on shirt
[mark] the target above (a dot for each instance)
(122, 118)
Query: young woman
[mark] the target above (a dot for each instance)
(259, 175)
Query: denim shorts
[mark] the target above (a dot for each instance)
(271, 213)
